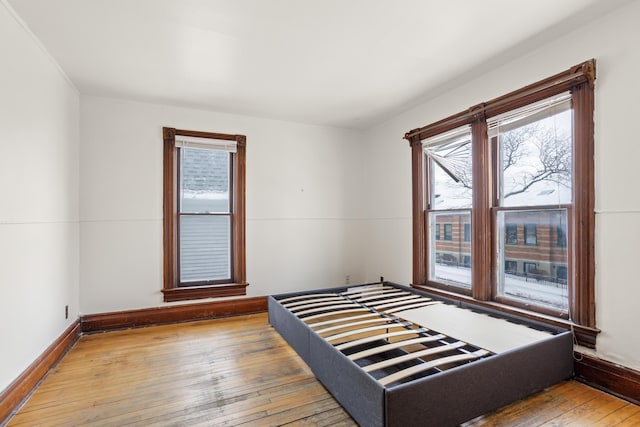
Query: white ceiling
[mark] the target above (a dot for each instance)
(345, 63)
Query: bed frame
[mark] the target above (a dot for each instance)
(395, 356)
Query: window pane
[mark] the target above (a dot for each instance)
(561, 235)
(535, 147)
(450, 256)
(511, 234)
(204, 183)
(450, 160)
(205, 248)
(530, 234)
(448, 232)
(532, 260)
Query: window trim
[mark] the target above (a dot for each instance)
(580, 81)
(237, 286)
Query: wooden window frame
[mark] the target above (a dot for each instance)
(579, 80)
(237, 285)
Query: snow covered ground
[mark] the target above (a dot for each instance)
(530, 291)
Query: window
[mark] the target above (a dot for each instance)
(466, 261)
(448, 232)
(530, 268)
(561, 236)
(452, 251)
(520, 167)
(467, 232)
(437, 228)
(449, 198)
(561, 273)
(204, 225)
(511, 234)
(530, 235)
(539, 256)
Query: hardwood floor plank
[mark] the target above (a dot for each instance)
(569, 403)
(292, 414)
(331, 418)
(589, 412)
(210, 408)
(539, 408)
(239, 372)
(632, 421)
(183, 377)
(555, 401)
(620, 417)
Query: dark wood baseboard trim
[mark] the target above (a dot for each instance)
(199, 292)
(615, 379)
(21, 387)
(171, 314)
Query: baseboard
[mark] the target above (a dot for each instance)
(20, 388)
(615, 379)
(171, 314)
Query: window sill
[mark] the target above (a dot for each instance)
(583, 335)
(209, 291)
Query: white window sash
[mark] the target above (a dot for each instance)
(205, 143)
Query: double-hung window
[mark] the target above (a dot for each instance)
(204, 175)
(449, 204)
(511, 182)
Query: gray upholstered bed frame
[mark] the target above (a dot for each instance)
(376, 349)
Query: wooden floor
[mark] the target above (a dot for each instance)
(239, 371)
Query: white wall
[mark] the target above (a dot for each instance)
(612, 40)
(304, 201)
(322, 203)
(39, 113)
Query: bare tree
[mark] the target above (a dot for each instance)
(530, 154)
(514, 146)
(551, 160)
